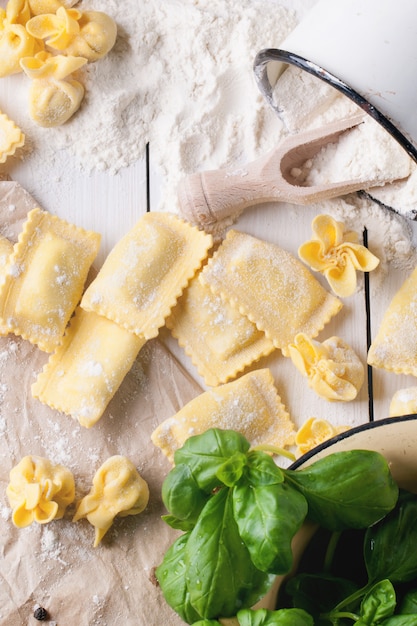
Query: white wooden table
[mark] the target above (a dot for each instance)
(111, 204)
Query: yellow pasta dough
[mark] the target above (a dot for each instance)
(54, 96)
(88, 34)
(394, 347)
(45, 279)
(37, 7)
(39, 491)
(332, 368)
(250, 405)
(269, 285)
(220, 341)
(403, 402)
(118, 490)
(83, 375)
(15, 41)
(336, 253)
(315, 431)
(6, 249)
(146, 272)
(11, 137)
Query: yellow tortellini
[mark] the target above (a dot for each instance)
(49, 40)
(53, 96)
(403, 402)
(15, 41)
(315, 431)
(39, 491)
(89, 34)
(38, 7)
(118, 490)
(336, 254)
(332, 368)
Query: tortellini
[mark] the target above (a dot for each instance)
(37, 7)
(403, 402)
(49, 40)
(332, 368)
(54, 96)
(118, 490)
(39, 491)
(315, 431)
(336, 254)
(15, 41)
(89, 34)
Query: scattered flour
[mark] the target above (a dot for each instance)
(180, 78)
(366, 152)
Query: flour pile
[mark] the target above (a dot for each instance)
(179, 77)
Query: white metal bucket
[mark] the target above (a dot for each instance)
(367, 49)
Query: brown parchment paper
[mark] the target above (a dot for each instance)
(55, 565)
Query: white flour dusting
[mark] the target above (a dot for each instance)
(179, 77)
(365, 152)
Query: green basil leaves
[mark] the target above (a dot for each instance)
(240, 511)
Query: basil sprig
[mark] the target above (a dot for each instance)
(240, 512)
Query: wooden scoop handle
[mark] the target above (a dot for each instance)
(209, 197)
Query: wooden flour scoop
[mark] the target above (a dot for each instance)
(207, 198)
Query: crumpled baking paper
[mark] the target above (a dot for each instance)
(55, 565)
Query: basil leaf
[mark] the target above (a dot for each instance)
(268, 516)
(178, 524)
(221, 576)
(379, 603)
(232, 469)
(318, 593)
(207, 622)
(281, 617)
(171, 575)
(206, 453)
(409, 603)
(351, 489)
(261, 469)
(390, 546)
(400, 620)
(182, 497)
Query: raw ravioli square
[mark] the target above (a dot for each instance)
(220, 341)
(146, 272)
(271, 287)
(83, 375)
(45, 279)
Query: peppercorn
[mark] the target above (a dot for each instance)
(40, 614)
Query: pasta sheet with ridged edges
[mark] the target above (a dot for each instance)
(6, 249)
(45, 279)
(220, 341)
(83, 375)
(146, 272)
(269, 285)
(250, 405)
(394, 347)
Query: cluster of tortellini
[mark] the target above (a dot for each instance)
(40, 491)
(49, 41)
